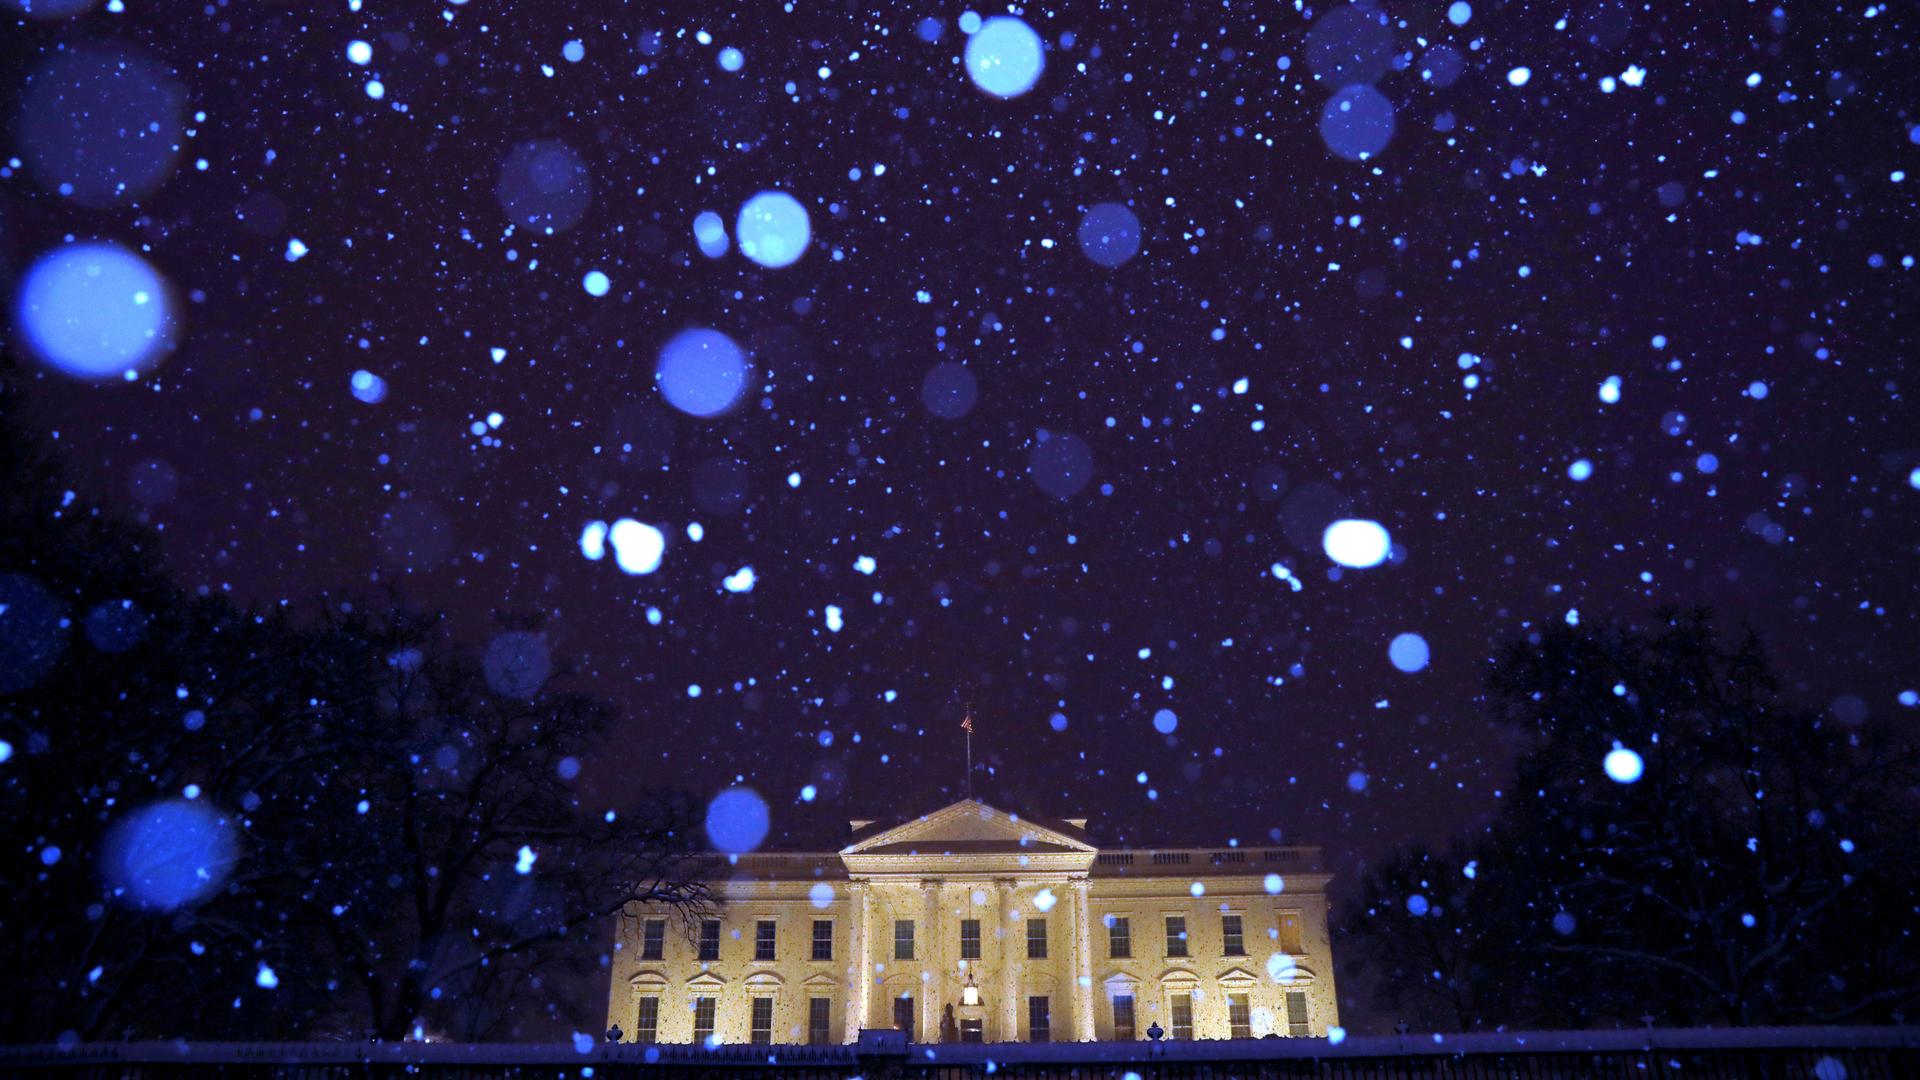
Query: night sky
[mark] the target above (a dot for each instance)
(1705, 203)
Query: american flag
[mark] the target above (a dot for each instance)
(966, 724)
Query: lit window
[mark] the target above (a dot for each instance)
(1039, 1019)
(1233, 942)
(762, 1030)
(820, 1019)
(1296, 1012)
(1290, 933)
(1239, 1017)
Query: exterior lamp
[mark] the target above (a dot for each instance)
(970, 993)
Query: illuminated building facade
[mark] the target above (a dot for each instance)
(971, 924)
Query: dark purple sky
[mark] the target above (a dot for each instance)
(1704, 237)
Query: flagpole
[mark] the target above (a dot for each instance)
(966, 725)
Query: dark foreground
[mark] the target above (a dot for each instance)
(1867, 1053)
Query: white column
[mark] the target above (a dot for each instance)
(1009, 984)
(930, 962)
(1083, 988)
(1065, 956)
(859, 968)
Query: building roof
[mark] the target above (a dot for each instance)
(990, 840)
(969, 827)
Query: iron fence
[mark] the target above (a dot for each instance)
(1880, 1053)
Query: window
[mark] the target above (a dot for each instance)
(903, 939)
(1182, 1013)
(903, 1014)
(1296, 1012)
(710, 939)
(1239, 1017)
(762, 1032)
(1039, 1019)
(1123, 1017)
(969, 939)
(1176, 935)
(823, 939)
(702, 1019)
(820, 1020)
(1290, 933)
(653, 939)
(1233, 942)
(1119, 938)
(1036, 939)
(972, 1031)
(764, 937)
(646, 1026)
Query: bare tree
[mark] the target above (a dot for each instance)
(1418, 934)
(404, 812)
(478, 852)
(1722, 876)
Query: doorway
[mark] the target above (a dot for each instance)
(903, 1015)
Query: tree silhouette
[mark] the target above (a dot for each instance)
(1727, 884)
(365, 826)
(1421, 924)
(490, 855)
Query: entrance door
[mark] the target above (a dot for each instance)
(903, 1015)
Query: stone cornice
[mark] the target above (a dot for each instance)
(972, 865)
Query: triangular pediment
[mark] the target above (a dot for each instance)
(969, 827)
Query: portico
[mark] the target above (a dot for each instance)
(987, 896)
